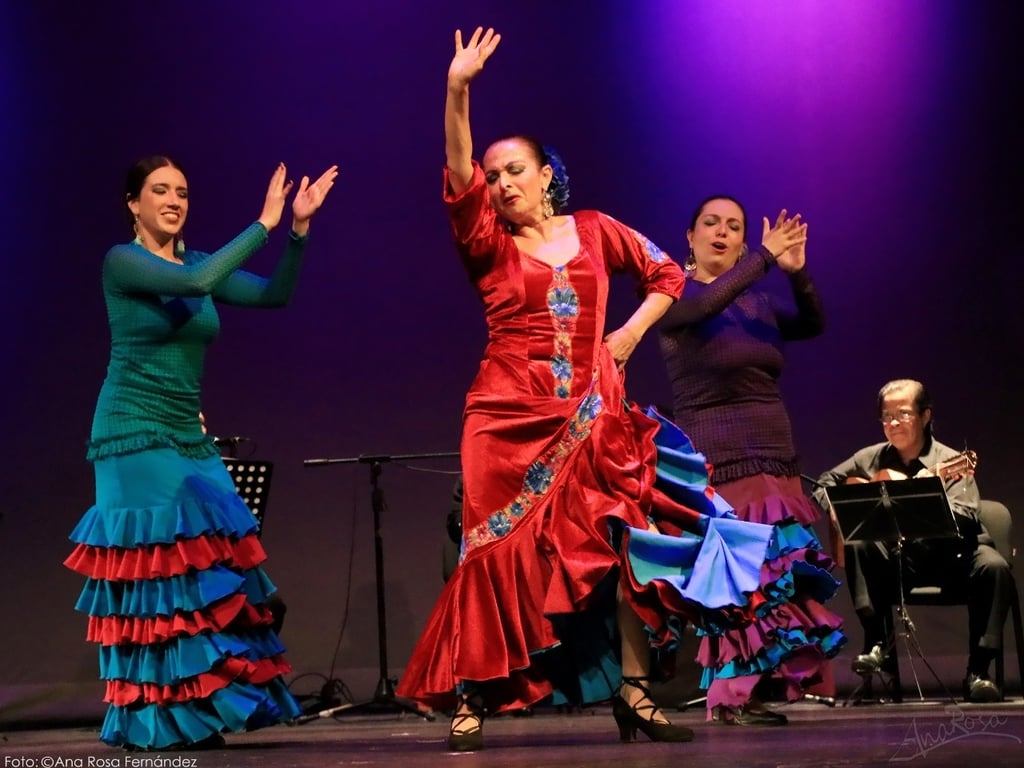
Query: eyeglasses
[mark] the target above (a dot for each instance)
(903, 416)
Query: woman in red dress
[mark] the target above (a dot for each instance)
(559, 469)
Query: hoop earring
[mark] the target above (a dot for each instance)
(690, 265)
(546, 206)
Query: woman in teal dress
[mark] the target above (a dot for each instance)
(175, 591)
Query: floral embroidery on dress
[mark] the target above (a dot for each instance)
(539, 475)
(564, 306)
(654, 253)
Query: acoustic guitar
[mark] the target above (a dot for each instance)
(953, 468)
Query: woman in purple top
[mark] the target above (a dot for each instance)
(723, 345)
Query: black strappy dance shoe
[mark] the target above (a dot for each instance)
(629, 719)
(472, 738)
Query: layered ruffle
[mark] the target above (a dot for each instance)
(188, 592)
(529, 613)
(793, 634)
(201, 510)
(176, 598)
(236, 707)
(235, 609)
(176, 558)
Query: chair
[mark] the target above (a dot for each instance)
(996, 519)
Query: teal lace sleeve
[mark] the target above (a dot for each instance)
(131, 268)
(248, 290)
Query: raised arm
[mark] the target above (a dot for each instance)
(249, 290)
(466, 64)
(809, 320)
(695, 306)
(786, 234)
(132, 269)
(309, 198)
(245, 289)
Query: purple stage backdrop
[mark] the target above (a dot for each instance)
(893, 127)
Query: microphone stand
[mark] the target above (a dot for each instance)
(384, 698)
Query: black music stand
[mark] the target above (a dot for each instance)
(892, 513)
(384, 697)
(252, 481)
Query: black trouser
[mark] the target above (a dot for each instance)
(979, 574)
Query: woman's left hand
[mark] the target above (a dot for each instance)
(794, 258)
(310, 197)
(621, 343)
(785, 240)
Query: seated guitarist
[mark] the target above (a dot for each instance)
(971, 562)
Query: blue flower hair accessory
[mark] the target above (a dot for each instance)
(559, 187)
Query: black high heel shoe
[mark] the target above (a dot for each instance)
(629, 720)
(471, 739)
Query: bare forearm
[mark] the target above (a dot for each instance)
(648, 313)
(457, 137)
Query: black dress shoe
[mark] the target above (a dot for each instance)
(980, 689)
(746, 716)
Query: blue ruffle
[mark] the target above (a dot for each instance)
(769, 658)
(209, 511)
(682, 472)
(183, 657)
(718, 571)
(790, 536)
(236, 707)
(188, 592)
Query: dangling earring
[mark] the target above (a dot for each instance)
(743, 252)
(690, 265)
(179, 246)
(546, 207)
(138, 234)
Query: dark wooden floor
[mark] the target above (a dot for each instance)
(929, 734)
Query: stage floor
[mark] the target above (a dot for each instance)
(933, 734)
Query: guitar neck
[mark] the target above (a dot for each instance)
(955, 466)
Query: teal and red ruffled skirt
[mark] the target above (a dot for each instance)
(177, 601)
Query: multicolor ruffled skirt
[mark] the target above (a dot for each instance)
(529, 614)
(177, 602)
(785, 649)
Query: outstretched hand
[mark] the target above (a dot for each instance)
(786, 241)
(310, 197)
(277, 191)
(469, 60)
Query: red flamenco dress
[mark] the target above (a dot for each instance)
(560, 480)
